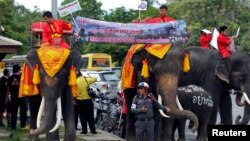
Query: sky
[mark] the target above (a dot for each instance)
(107, 4)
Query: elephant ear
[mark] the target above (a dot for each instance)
(222, 70)
(137, 58)
(32, 58)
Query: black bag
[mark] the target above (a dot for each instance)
(90, 91)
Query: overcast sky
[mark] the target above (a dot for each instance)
(107, 4)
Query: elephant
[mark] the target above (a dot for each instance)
(56, 93)
(164, 75)
(197, 100)
(207, 72)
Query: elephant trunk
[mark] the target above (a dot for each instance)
(238, 100)
(48, 118)
(246, 116)
(167, 87)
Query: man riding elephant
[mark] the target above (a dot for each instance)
(52, 32)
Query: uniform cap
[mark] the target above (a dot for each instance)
(143, 85)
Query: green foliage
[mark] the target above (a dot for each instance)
(16, 20)
(211, 14)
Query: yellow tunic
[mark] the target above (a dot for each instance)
(82, 85)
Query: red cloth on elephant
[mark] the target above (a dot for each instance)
(223, 42)
(204, 40)
(55, 30)
(159, 19)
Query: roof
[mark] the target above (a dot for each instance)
(8, 45)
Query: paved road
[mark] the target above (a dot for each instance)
(236, 111)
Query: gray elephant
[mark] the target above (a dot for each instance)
(164, 76)
(56, 94)
(197, 100)
(208, 73)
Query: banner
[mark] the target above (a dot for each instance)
(89, 30)
(69, 8)
(214, 39)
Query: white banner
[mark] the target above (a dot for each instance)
(214, 39)
(69, 8)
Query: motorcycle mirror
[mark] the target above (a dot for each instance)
(98, 90)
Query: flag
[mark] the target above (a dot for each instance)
(232, 47)
(142, 5)
(69, 8)
(214, 39)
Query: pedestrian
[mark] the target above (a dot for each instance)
(4, 97)
(84, 103)
(52, 32)
(142, 106)
(205, 38)
(16, 102)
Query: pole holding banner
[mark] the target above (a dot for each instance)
(142, 6)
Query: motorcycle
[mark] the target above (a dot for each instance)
(101, 110)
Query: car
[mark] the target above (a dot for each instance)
(107, 81)
(116, 70)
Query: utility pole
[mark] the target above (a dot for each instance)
(54, 8)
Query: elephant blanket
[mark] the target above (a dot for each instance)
(128, 73)
(52, 58)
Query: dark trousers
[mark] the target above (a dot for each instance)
(34, 105)
(15, 103)
(142, 127)
(76, 116)
(86, 111)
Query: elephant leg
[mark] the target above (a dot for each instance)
(181, 129)
(158, 126)
(167, 129)
(175, 126)
(202, 131)
(54, 136)
(130, 127)
(68, 115)
(214, 113)
(34, 104)
(225, 108)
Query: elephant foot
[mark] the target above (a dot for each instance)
(202, 139)
(33, 138)
(181, 139)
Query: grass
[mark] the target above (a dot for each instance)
(22, 134)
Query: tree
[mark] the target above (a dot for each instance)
(211, 14)
(16, 20)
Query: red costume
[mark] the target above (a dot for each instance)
(159, 19)
(204, 40)
(55, 30)
(223, 44)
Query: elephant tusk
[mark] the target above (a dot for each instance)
(39, 115)
(58, 116)
(178, 103)
(246, 98)
(161, 111)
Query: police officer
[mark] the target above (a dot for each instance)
(142, 106)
